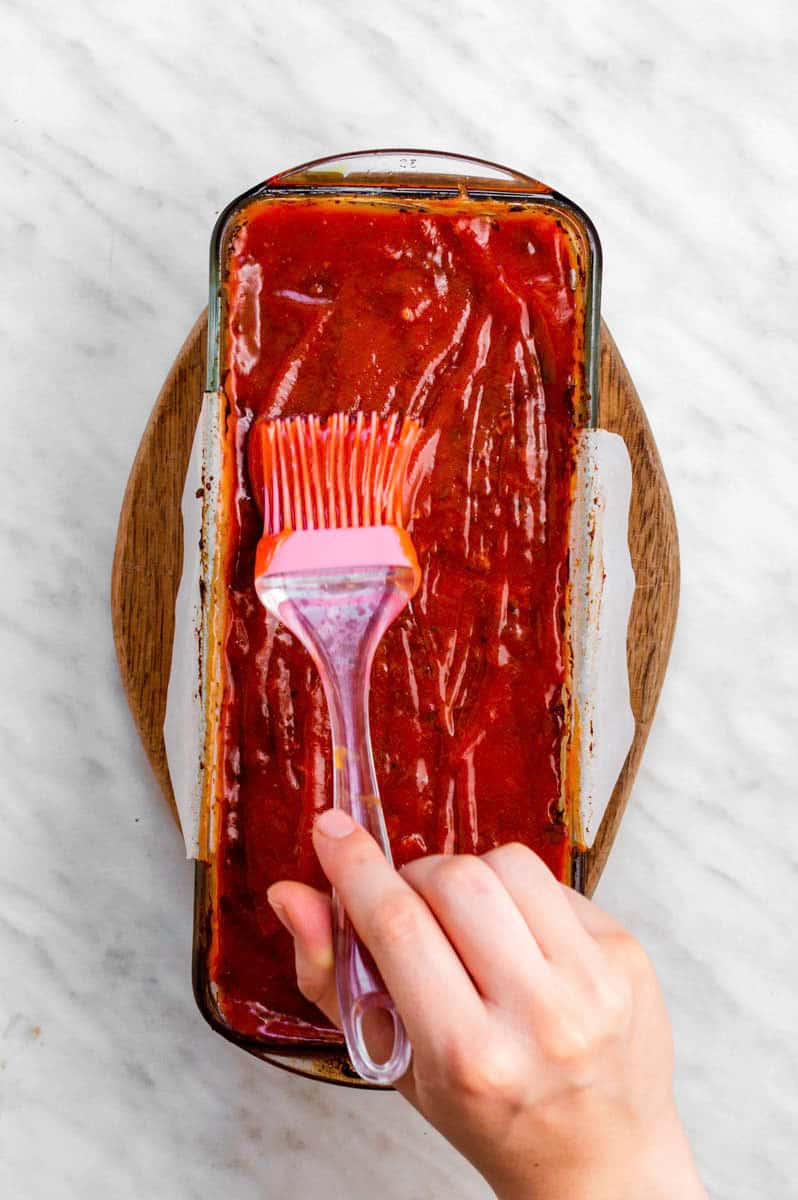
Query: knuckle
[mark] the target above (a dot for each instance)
(461, 872)
(630, 956)
(609, 1021)
(311, 987)
(394, 920)
(567, 1044)
(357, 850)
(614, 1003)
(580, 1033)
(517, 862)
(313, 983)
(515, 853)
(487, 1072)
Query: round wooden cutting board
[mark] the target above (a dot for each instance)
(149, 555)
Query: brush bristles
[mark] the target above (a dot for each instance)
(346, 473)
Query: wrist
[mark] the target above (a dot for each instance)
(661, 1168)
(665, 1166)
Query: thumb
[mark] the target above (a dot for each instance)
(306, 914)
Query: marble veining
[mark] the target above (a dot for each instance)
(125, 130)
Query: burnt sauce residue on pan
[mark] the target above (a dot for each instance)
(464, 316)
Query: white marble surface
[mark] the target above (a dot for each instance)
(125, 128)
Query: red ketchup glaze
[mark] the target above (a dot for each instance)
(464, 316)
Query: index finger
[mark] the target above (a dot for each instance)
(418, 964)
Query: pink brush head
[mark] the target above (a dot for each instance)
(332, 494)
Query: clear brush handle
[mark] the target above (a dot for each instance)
(340, 619)
(360, 986)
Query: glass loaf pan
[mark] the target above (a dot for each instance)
(390, 173)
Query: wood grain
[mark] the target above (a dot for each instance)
(149, 551)
(654, 549)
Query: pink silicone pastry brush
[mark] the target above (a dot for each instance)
(337, 566)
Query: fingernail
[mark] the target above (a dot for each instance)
(280, 913)
(335, 823)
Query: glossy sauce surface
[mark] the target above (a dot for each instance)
(464, 316)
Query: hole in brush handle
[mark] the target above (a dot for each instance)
(367, 1067)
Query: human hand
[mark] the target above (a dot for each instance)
(541, 1043)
